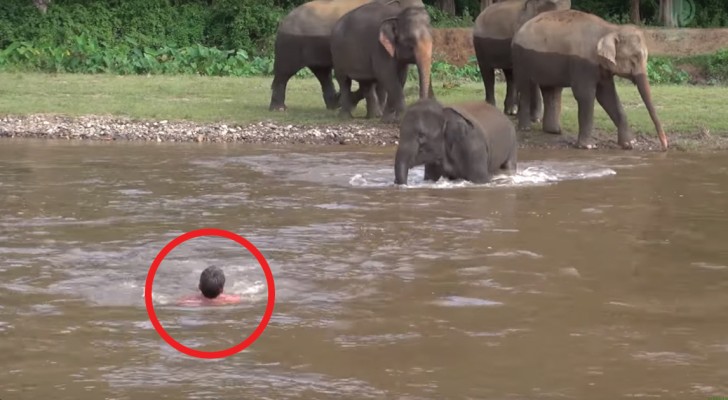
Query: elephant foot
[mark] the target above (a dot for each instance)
(524, 128)
(343, 114)
(553, 130)
(512, 110)
(374, 114)
(281, 107)
(536, 120)
(390, 118)
(585, 144)
(627, 145)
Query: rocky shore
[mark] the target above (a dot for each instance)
(114, 128)
(106, 128)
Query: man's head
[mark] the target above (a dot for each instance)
(212, 281)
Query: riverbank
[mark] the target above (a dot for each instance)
(104, 128)
(209, 109)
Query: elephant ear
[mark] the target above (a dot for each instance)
(607, 50)
(456, 125)
(387, 33)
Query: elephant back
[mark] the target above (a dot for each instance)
(577, 33)
(498, 21)
(484, 117)
(499, 133)
(317, 17)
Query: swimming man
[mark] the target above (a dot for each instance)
(212, 283)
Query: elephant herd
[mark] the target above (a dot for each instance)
(542, 46)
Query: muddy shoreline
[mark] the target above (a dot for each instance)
(106, 128)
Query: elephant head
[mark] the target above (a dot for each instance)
(623, 52)
(408, 38)
(427, 134)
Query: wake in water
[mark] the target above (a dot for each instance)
(529, 174)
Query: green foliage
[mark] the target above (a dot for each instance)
(243, 24)
(440, 19)
(249, 25)
(714, 67)
(88, 55)
(717, 66)
(662, 70)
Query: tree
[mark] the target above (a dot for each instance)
(447, 6)
(667, 14)
(634, 11)
(42, 5)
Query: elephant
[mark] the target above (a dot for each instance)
(582, 51)
(492, 34)
(470, 141)
(303, 40)
(375, 44)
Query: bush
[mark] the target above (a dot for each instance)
(662, 70)
(227, 24)
(87, 55)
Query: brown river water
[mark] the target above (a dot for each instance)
(589, 275)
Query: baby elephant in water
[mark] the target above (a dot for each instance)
(470, 141)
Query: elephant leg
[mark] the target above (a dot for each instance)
(488, 75)
(382, 96)
(536, 103)
(395, 95)
(433, 172)
(345, 96)
(278, 90)
(510, 104)
(357, 96)
(523, 85)
(402, 76)
(510, 167)
(323, 74)
(373, 109)
(609, 100)
(585, 95)
(552, 109)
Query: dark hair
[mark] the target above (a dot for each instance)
(212, 281)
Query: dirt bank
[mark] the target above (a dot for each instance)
(101, 128)
(456, 47)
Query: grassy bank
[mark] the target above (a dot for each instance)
(683, 109)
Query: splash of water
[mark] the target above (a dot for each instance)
(533, 174)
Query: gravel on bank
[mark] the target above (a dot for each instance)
(114, 128)
(107, 128)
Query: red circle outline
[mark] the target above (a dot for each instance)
(268, 308)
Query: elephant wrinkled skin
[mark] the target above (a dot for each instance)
(375, 44)
(579, 50)
(470, 141)
(492, 34)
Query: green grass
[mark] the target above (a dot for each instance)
(682, 108)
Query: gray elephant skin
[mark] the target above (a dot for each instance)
(579, 50)
(375, 44)
(492, 34)
(471, 141)
(303, 40)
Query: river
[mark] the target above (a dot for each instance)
(588, 275)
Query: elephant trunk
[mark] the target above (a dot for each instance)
(643, 85)
(401, 166)
(423, 57)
